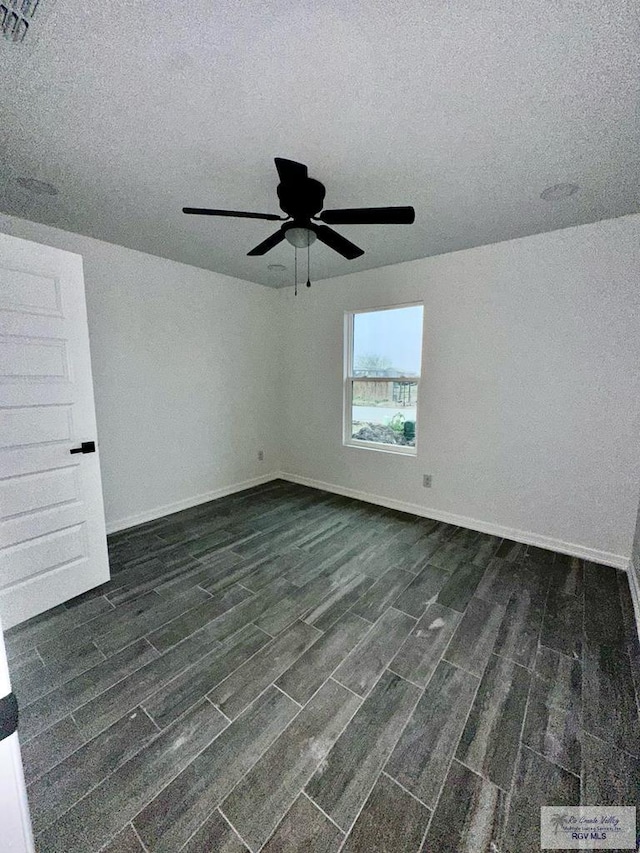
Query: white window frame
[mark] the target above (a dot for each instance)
(349, 379)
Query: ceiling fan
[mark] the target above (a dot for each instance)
(301, 199)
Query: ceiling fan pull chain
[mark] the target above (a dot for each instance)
(295, 270)
(308, 266)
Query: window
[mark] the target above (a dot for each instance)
(383, 353)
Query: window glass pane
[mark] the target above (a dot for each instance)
(384, 412)
(388, 343)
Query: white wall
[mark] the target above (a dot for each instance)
(185, 367)
(528, 417)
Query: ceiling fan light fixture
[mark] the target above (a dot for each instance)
(300, 237)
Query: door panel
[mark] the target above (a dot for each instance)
(24, 357)
(25, 425)
(39, 491)
(52, 529)
(53, 549)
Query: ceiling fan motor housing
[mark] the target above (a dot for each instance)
(303, 199)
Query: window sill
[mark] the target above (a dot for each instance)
(396, 450)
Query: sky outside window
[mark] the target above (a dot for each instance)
(394, 336)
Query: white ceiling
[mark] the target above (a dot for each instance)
(465, 109)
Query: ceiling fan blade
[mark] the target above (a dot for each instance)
(268, 244)
(370, 216)
(338, 243)
(204, 211)
(289, 171)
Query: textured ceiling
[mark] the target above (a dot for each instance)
(465, 109)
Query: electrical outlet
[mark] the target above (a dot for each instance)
(426, 481)
(261, 456)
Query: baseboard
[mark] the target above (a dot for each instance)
(168, 509)
(527, 537)
(604, 557)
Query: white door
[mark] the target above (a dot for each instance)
(52, 528)
(15, 823)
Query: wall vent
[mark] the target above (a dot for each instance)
(16, 17)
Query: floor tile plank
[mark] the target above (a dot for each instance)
(304, 829)
(551, 731)
(188, 687)
(246, 683)
(554, 710)
(338, 601)
(39, 715)
(52, 746)
(211, 627)
(125, 842)
(219, 571)
(260, 573)
(610, 777)
(630, 630)
(422, 591)
(604, 622)
(391, 820)
(361, 669)
(124, 628)
(562, 624)
(32, 681)
(215, 836)
(68, 781)
(421, 651)
(261, 799)
(99, 816)
(470, 817)
(490, 740)
(567, 577)
(110, 704)
(475, 637)
(497, 582)
(382, 594)
(182, 626)
(538, 783)
(348, 774)
(307, 674)
(460, 587)
(177, 811)
(610, 710)
(48, 626)
(511, 551)
(294, 605)
(520, 629)
(422, 756)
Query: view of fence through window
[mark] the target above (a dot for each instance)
(384, 374)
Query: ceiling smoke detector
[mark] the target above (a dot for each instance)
(33, 185)
(558, 192)
(16, 17)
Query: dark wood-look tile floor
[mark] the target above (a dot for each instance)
(288, 670)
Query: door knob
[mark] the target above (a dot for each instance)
(85, 447)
